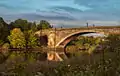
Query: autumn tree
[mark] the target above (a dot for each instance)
(17, 38)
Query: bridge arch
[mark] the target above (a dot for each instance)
(71, 37)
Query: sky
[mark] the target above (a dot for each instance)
(57, 11)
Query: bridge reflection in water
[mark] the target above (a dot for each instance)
(41, 54)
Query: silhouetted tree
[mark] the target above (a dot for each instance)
(24, 25)
(43, 25)
(4, 30)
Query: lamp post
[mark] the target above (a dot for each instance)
(87, 24)
(40, 36)
(55, 40)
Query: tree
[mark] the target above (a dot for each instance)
(11, 26)
(22, 24)
(43, 25)
(4, 30)
(31, 40)
(17, 38)
(33, 26)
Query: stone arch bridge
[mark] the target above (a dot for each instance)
(60, 37)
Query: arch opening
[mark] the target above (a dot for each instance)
(70, 37)
(43, 40)
(74, 37)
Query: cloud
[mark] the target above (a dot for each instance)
(13, 4)
(13, 7)
(101, 5)
(34, 17)
(67, 9)
(43, 17)
(61, 9)
(101, 9)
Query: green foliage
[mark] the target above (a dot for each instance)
(4, 30)
(86, 44)
(32, 39)
(1, 42)
(33, 26)
(112, 42)
(17, 38)
(6, 45)
(18, 69)
(19, 23)
(43, 25)
(24, 25)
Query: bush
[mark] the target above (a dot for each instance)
(1, 42)
(6, 45)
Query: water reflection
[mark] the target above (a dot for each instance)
(27, 55)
